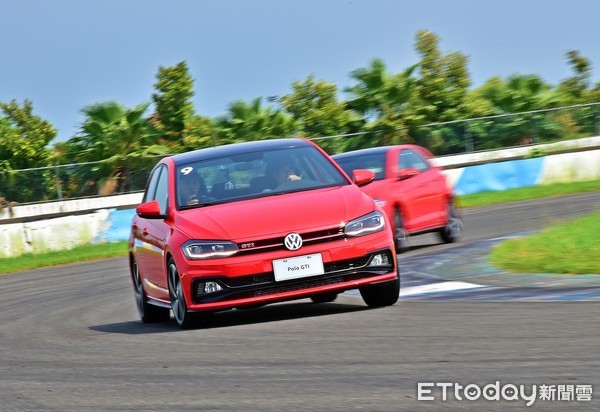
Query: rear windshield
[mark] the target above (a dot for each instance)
(373, 161)
(257, 174)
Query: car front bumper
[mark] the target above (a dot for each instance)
(249, 280)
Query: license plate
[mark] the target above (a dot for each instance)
(298, 267)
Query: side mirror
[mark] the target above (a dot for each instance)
(149, 210)
(362, 176)
(408, 172)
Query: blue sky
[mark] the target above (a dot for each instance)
(66, 54)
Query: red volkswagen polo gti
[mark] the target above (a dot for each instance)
(248, 224)
(411, 190)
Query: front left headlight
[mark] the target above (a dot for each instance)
(365, 225)
(208, 249)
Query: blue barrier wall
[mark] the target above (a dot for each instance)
(499, 176)
(118, 226)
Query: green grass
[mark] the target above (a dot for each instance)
(81, 253)
(568, 248)
(535, 192)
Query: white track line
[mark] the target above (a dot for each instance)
(437, 288)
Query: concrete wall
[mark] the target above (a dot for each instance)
(66, 224)
(66, 232)
(467, 159)
(69, 207)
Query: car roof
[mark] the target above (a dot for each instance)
(373, 150)
(237, 148)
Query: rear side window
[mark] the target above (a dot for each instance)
(158, 188)
(161, 195)
(151, 187)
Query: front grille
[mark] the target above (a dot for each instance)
(308, 284)
(308, 238)
(252, 280)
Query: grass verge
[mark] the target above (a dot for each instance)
(535, 192)
(79, 254)
(568, 248)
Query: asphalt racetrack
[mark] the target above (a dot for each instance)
(70, 338)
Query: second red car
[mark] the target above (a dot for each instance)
(411, 190)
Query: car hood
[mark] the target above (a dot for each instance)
(275, 215)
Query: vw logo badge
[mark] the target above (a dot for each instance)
(293, 241)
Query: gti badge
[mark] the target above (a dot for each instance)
(293, 241)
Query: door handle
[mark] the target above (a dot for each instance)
(144, 232)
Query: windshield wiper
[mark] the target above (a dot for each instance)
(198, 205)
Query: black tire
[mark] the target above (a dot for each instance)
(148, 313)
(400, 235)
(383, 294)
(184, 318)
(324, 298)
(453, 230)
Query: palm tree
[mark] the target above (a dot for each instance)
(382, 100)
(246, 122)
(120, 138)
(517, 94)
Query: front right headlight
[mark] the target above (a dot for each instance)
(208, 249)
(365, 225)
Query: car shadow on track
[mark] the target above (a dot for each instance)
(273, 313)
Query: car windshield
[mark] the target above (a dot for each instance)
(256, 174)
(371, 161)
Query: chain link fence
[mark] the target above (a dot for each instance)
(94, 179)
(74, 181)
(484, 133)
(496, 132)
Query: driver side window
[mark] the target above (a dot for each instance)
(410, 159)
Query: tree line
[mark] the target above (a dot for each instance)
(116, 145)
